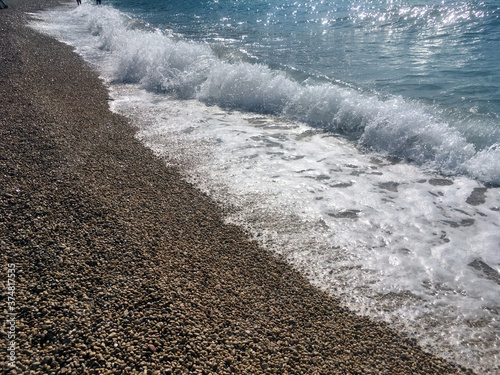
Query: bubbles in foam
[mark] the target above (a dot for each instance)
(485, 165)
(246, 86)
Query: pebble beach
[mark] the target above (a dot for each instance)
(122, 267)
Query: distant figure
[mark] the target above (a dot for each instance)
(3, 4)
(97, 2)
(79, 2)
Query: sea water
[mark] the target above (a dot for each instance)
(359, 140)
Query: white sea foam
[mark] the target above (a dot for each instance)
(392, 126)
(392, 239)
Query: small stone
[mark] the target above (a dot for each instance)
(345, 214)
(440, 182)
(391, 186)
(477, 197)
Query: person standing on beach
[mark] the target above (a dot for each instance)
(79, 2)
(98, 2)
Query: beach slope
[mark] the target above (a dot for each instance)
(121, 267)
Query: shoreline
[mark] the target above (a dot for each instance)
(123, 267)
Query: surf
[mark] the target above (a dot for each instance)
(391, 125)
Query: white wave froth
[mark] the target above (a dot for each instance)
(187, 70)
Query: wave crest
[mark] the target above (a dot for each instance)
(187, 70)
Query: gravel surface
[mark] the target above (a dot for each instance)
(121, 267)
